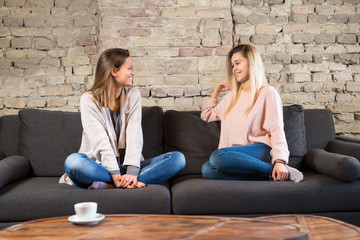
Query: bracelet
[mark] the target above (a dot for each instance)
(279, 161)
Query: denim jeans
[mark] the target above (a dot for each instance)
(83, 171)
(245, 162)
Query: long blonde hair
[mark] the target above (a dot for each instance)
(103, 89)
(256, 75)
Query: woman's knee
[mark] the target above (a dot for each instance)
(207, 170)
(216, 158)
(179, 160)
(73, 161)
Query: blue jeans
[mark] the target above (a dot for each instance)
(245, 162)
(83, 171)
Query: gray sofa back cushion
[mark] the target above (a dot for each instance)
(152, 125)
(195, 138)
(9, 126)
(46, 138)
(188, 133)
(319, 125)
(295, 133)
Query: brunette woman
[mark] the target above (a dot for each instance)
(111, 147)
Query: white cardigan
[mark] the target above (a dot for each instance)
(99, 138)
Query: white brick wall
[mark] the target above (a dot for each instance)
(311, 50)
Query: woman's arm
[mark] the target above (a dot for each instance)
(133, 130)
(221, 87)
(211, 109)
(94, 127)
(274, 125)
(133, 141)
(280, 171)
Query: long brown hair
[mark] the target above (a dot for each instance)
(256, 75)
(103, 89)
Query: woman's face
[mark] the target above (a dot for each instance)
(240, 67)
(124, 76)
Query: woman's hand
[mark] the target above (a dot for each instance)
(222, 86)
(127, 180)
(130, 181)
(116, 179)
(280, 172)
(137, 185)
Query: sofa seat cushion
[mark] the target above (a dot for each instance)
(41, 197)
(317, 193)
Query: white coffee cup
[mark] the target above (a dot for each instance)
(86, 210)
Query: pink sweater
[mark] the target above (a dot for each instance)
(264, 123)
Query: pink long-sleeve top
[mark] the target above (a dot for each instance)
(263, 124)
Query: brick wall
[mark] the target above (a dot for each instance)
(47, 47)
(310, 48)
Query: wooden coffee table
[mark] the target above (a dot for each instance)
(186, 227)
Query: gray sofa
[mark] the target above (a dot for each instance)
(35, 143)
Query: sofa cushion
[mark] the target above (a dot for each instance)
(2, 155)
(46, 138)
(188, 133)
(317, 193)
(342, 167)
(320, 129)
(41, 197)
(9, 127)
(295, 133)
(152, 125)
(13, 168)
(344, 148)
(196, 139)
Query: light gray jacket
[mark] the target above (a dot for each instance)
(99, 140)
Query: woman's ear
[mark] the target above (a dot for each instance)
(113, 71)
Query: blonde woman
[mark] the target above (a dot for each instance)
(110, 154)
(252, 141)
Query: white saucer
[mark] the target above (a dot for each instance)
(75, 219)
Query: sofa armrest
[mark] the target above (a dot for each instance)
(344, 148)
(13, 168)
(342, 167)
(348, 139)
(2, 155)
